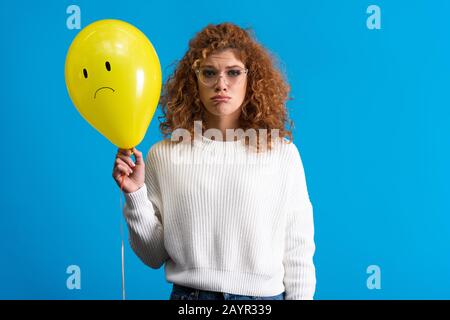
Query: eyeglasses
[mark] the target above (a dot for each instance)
(209, 76)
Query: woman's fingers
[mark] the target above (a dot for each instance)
(122, 166)
(118, 175)
(125, 169)
(126, 159)
(138, 156)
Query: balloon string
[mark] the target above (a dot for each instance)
(122, 237)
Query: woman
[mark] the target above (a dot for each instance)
(223, 203)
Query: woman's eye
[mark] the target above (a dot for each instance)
(209, 73)
(108, 66)
(234, 73)
(85, 73)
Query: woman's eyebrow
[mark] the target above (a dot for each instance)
(229, 67)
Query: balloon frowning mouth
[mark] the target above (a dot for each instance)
(95, 94)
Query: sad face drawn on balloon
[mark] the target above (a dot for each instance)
(108, 68)
(86, 75)
(114, 79)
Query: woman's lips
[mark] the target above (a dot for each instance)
(220, 99)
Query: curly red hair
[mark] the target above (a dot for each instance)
(264, 105)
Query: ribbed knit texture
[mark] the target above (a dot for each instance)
(223, 218)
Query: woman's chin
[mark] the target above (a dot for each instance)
(222, 109)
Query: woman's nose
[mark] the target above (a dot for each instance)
(221, 84)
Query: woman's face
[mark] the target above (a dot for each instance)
(222, 83)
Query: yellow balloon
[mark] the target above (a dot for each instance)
(114, 79)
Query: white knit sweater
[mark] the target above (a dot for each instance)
(223, 218)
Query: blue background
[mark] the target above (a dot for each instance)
(371, 109)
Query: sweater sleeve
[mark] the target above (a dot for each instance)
(144, 220)
(300, 276)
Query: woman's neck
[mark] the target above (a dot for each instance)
(222, 123)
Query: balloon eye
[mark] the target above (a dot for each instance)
(108, 66)
(85, 73)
